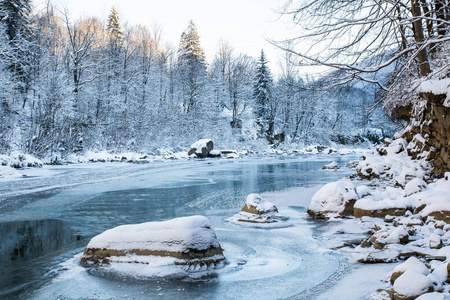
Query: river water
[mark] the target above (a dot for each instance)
(46, 221)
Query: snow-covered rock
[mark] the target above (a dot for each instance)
(437, 87)
(19, 161)
(414, 186)
(232, 156)
(257, 211)
(333, 199)
(436, 200)
(434, 296)
(370, 207)
(411, 263)
(435, 241)
(411, 284)
(215, 153)
(8, 171)
(393, 165)
(331, 166)
(201, 148)
(442, 272)
(187, 240)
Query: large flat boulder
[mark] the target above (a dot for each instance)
(189, 240)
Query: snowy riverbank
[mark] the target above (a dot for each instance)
(398, 210)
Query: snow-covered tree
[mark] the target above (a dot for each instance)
(386, 43)
(191, 67)
(262, 94)
(14, 17)
(115, 32)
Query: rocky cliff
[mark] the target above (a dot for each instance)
(428, 131)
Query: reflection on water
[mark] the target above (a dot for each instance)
(23, 245)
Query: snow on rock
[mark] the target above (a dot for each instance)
(371, 207)
(259, 213)
(412, 284)
(18, 161)
(215, 153)
(233, 156)
(392, 164)
(414, 186)
(256, 205)
(201, 148)
(435, 241)
(104, 156)
(437, 87)
(6, 171)
(441, 272)
(331, 166)
(444, 251)
(335, 198)
(406, 214)
(436, 200)
(187, 240)
(411, 263)
(434, 296)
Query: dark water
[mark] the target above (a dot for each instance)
(39, 231)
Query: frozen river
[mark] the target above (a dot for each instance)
(47, 218)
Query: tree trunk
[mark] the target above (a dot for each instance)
(418, 37)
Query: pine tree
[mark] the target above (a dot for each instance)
(114, 29)
(14, 19)
(190, 48)
(192, 66)
(14, 14)
(262, 88)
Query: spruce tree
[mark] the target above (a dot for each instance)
(262, 88)
(190, 49)
(191, 66)
(14, 15)
(115, 32)
(14, 19)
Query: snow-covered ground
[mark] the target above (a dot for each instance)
(401, 211)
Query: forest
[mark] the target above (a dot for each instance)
(70, 85)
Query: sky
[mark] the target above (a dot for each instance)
(244, 24)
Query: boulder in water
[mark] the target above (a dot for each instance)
(188, 240)
(257, 211)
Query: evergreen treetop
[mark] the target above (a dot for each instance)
(114, 28)
(190, 48)
(262, 88)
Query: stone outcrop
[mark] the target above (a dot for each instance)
(378, 213)
(428, 134)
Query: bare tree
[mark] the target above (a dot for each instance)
(359, 39)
